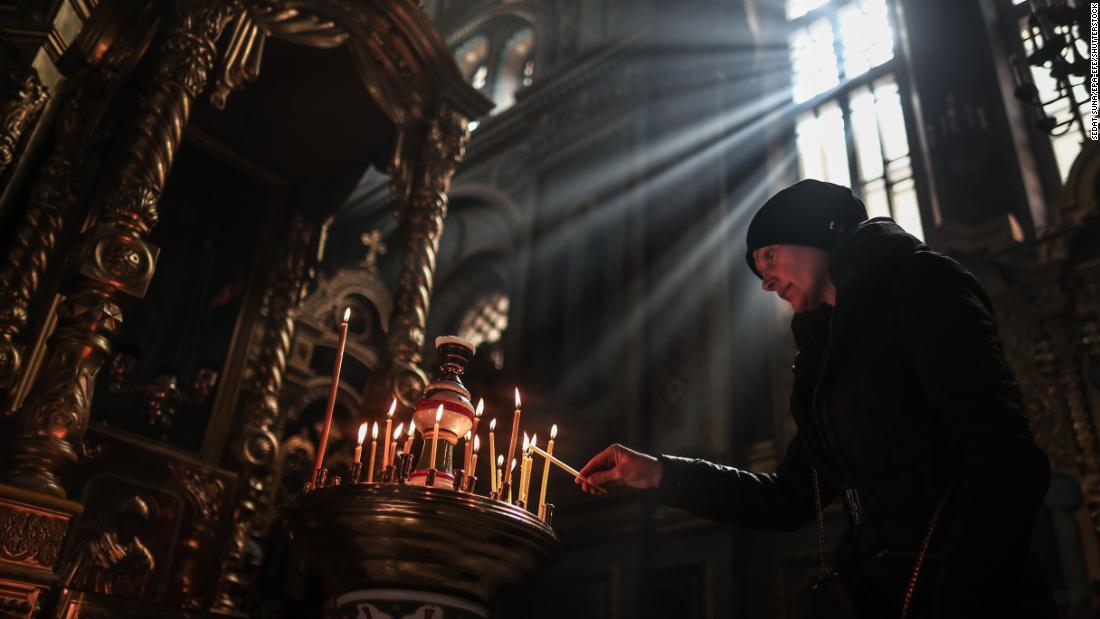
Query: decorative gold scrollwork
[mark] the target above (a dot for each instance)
(23, 96)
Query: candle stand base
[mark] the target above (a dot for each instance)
(424, 542)
(407, 603)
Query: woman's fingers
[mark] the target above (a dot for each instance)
(603, 460)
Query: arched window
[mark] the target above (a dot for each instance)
(486, 321)
(472, 59)
(499, 60)
(516, 67)
(850, 117)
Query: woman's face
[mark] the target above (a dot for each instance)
(797, 274)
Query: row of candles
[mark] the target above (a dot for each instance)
(500, 485)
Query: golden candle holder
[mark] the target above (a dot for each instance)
(399, 549)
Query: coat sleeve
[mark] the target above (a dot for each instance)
(947, 324)
(780, 501)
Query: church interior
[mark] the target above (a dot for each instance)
(232, 233)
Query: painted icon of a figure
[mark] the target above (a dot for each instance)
(116, 561)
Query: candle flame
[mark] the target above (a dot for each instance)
(374, 432)
(480, 407)
(500, 461)
(393, 408)
(513, 467)
(526, 441)
(467, 437)
(517, 398)
(493, 425)
(439, 413)
(347, 314)
(412, 430)
(554, 431)
(534, 440)
(400, 429)
(477, 443)
(362, 432)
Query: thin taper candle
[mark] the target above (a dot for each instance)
(515, 436)
(523, 464)
(492, 455)
(409, 440)
(393, 446)
(473, 459)
(358, 457)
(332, 395)
(373, 451)
(435, 433)
(498, 470)
(511, 469)
(467, 449)
(546, 467)
(386, 435)
(529, 463)
(565, 467)
(478, 410)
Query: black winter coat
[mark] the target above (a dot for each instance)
(900, 389)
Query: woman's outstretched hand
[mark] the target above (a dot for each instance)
(620, 466)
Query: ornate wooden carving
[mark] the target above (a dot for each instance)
(258, 444)
(54, 190)
(442, 150)
(24, 96)
(117, 261)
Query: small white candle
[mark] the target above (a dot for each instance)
(473, 460)
(373, 450)
(386, 436)
(546, 467)
(435, 433)
(359, 447)
(493, 455)
(393, 446)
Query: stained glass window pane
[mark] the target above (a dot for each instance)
(866, 36)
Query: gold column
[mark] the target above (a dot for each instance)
(442, 150)
(259, 445)
(117, 262)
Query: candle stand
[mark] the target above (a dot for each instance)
(402, 550)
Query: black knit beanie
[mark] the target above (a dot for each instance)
(809, 212)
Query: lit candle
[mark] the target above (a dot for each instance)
(409, 441)
(473, 459)
(393, 446)
(359, 446)
(523, 464)
(528, 463)
(492, 455)
(332, 395)
(511, 469)
(373, 451)
(498, 470)
(515, 435)
(435, 433)
(467, 449)
(477, 419)
(385, 437)
(546, 467)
